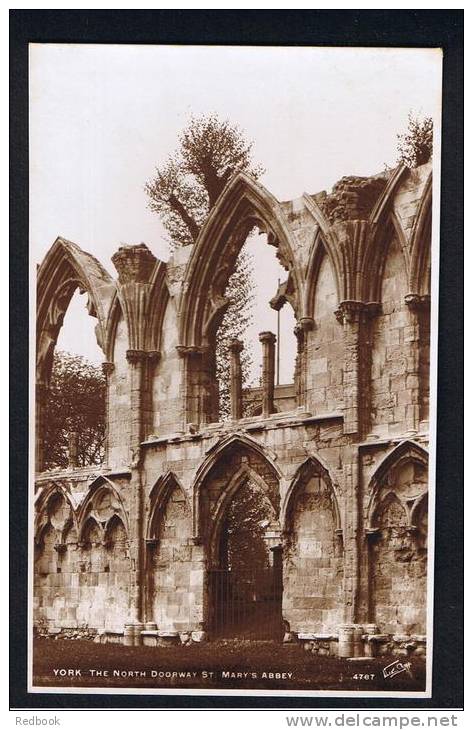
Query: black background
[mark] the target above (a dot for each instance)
(405, 28)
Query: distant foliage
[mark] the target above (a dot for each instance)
(248, 516)
(183, 191)
(415, 146)
(76, 403)
(237, 319)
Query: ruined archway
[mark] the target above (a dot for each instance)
(245, 579)
(238, 518)
(397, 537)
(243, 206)
(313, 552)
(170, 561)
(65, 270)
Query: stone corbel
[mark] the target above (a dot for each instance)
(305, 324)
(417, 302)
(186, 351)
(136, 356)
(351, 310)
(108, 368)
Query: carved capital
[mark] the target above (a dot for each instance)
(267, 337)
(351, 311)
(417, 302)
(153, 356)
(185, 351)
(108, 368)
(235, 346)
(305, 324)
(136, 356)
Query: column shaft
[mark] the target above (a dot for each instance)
(236, 346)
(268, 340)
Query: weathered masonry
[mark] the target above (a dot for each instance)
(128, 552)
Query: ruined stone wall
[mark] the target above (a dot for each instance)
(343, 460)
(325, 348)
(118, 424)
(170, 566)
(313, 562)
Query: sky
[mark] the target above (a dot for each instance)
(102, 118)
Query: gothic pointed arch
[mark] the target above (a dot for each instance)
(420, 244)
(64, 269)
(217, 454)
(244, 474)
(242, 205)
(101, 502)
(387, 232)
(158, 499)
(159, 299)
(319, 250)
(44, 509)
(114, 315)
(383, 481)
(114, 523)
(312, 466)
(91, 528)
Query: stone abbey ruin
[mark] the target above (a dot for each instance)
(136, 551)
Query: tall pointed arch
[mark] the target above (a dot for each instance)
(243, 204)
(320, 248)
(404, 452)
(90, 507)
(64, 269)
(158, 499)
(420, 243)
(310, 467)
(216, 454)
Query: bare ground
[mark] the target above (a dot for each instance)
(215, 665)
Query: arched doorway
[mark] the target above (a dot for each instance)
(245, 580)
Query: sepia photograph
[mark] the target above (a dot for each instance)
(234, 317)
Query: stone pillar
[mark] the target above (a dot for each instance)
(356, 320)
(304, 325)
(268, 339)
(417, 383)
(107, 369)
(137, 362)
(73, 449)
(42, 392)
(236, 346)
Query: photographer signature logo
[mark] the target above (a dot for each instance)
(396, 667)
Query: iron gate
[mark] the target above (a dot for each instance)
(245, 604)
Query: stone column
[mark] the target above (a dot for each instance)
(42, 392)
(356, 320)
(73, 449)
(107, 369)
(236, 346)
(417, 383)
(268, 339)
(137, 360)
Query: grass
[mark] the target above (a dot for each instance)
(205, 666)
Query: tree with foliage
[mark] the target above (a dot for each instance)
(415, 145)
(243, 544)
(76, 404)
(183, 192)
